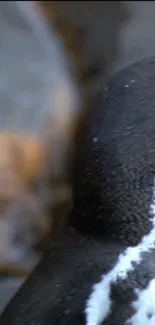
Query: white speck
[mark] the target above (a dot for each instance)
(132, 80)
(126, 86)
(144, 306)
(67, 311)
(95, 140)
(99, 303)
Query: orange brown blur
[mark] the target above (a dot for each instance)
(20, 159)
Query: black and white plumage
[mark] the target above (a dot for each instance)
(102, 270)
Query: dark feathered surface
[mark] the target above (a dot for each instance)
(102, 270)
(115, 159)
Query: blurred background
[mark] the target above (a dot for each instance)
(55, 56)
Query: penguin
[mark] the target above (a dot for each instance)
(101, 269)
(40, 103)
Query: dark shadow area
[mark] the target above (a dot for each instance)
(101, 24)
(90, 31)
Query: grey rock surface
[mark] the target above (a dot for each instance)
(32, 65)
